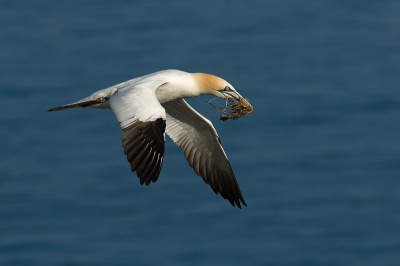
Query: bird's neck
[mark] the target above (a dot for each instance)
(183, 86)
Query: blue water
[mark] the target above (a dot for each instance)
(318, 163)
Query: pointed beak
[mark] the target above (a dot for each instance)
(232, 96)
(235, 97)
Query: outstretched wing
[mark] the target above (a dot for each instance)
(202, 149)
(142, 118)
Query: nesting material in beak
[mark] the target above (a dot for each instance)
(235, 110)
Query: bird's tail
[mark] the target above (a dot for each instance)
(79, 104)
(98, 99)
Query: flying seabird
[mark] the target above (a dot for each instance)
(148, 107)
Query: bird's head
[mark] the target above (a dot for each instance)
(213, 85)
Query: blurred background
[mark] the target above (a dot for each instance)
(318, 163)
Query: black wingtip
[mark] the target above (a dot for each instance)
(56, 109)
(237, 203)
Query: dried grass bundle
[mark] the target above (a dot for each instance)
(235, 110)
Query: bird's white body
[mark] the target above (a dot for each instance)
(148, 106)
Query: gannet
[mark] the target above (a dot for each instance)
(148, 107)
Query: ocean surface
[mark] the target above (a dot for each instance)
(318, 163)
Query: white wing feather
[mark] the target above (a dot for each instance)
(137, 102)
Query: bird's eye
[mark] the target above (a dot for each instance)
(227, 88)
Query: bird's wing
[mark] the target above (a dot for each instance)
(202, 149)
(142, 118)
